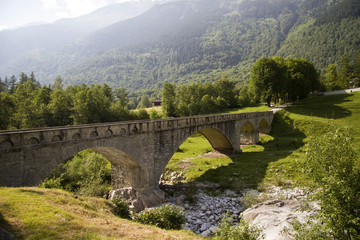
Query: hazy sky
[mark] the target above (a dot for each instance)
(14, 13)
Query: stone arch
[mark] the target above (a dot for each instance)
(6, 144)
(75, 136)
(122, 131)
(33, 141)
(264, 126)
(125, 170)
(135, 130)
(56, 138)
(248, 133)
(108, 133)
(94, 134)
(218, 140)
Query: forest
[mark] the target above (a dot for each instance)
(211, 40)
(27, 104)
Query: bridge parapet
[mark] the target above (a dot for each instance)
(13, 139)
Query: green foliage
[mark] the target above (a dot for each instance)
(332, 166)
(168, 99)
(252, 198)
(145, 102)
(7, 109)
(345, 72)
(197, 99)
(243, 231)
(266, 80)
(310, 230)
(52, 183)
(88, 174)
(154, 114)
(331, 80)
(213, 40)
(122, 208)
(29, 105)
(166, 216)
(290, 79)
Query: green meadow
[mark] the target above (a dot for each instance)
(275, 160)
(36, 213)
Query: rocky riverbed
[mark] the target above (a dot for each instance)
(280, 206)
(204, 215)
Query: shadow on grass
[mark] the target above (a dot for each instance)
(30, 191)
(6, 229)
(248, 169)
(322, 106)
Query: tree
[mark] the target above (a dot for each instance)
(91, 105)
(264, 76)
(226, 90)
(145, 102)
(26, 113)
(357, 70)
(168, 99)
(60, 107)
(58, 83)
(23, 78)
(7, 109)
(331, 164)
(345, 72)
(331, 78)
(12, 83)
(32, 77)
(302, 78)
(121, 96)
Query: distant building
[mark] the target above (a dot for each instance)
(4, 86)
(156, 103)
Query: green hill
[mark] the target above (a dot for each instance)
(197, 41)
(36, 213)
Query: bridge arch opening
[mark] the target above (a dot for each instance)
(195, 152)
(248, 134)
(94, 171)
(264, 127)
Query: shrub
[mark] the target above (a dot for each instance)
(52, 183)
(252, 198)
(167, 217)
(243, 231)
(122, 208)
(331, 164)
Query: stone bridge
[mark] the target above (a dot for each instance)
(138, 150)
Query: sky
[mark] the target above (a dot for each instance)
(15, 13)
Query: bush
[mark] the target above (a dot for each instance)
(243, 231)
(331, 164)
(122, 208)
(52, 183)
(88, 173)
(167, 217)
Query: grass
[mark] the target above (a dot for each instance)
(35, 213)
(275, 161)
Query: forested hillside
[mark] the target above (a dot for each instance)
(198, 41)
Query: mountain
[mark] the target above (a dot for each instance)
(197, 41)
(14, 43)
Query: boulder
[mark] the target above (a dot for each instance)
(274, 215)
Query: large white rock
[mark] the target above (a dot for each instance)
(274, 215)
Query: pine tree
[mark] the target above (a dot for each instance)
(357, 70)
(345, 72)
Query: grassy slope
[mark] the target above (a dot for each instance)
(34, 213)
(276, 159)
